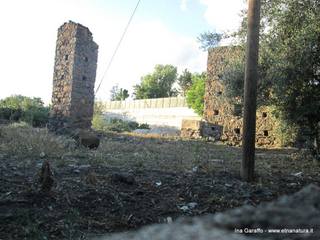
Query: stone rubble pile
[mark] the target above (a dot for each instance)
(288, 215)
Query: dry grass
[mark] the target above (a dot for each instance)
(22, 141)
(134, 151)
(78, 204)
(164, 153)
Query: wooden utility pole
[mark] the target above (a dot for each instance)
(250, 91)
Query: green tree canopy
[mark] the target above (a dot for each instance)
(21, 102)
(195, 94)
(118, 94)
(157, 84)
(289, 63)
(185, 81)
(22, 108)
(209, 40)
(293, 49)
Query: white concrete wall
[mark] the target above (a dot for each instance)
(169, 102)
(157, 111)
(171, 116)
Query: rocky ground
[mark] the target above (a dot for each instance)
(130, 181)
(294, 217)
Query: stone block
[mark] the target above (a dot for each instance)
(211, 130)
(200, 129)
(86, 138)
(191, 124)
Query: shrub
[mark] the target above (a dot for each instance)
(21, 108)
(98, 122)
(195, 95)
(98, 107)
(118, 125)
(144, 126)
(115, 125)
(286, 133)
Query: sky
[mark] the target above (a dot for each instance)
(161, 32)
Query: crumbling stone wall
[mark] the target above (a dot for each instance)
(196, 129)
(219, 110)
(74, 77)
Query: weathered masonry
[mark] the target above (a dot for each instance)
(227, 115)
(74, 77)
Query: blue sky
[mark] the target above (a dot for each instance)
(162, 32)
(187, 22)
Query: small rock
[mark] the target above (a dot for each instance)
(188, 206)
(298, 174)
(184, 208)
(84, 166)
(123, 178)
(293, 184)
(136, 154)
(91, 178)
(86, 138)
(217, 160)
(192, 205)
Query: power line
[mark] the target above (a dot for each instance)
(118, 45)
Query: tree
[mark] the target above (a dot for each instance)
(289, 64)
(157, 84)
(195, 94)
(234, 73)
(209, 40)
(22, 108)
(118, 94)
(293, 46)
(185, 81)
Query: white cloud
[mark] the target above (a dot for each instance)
(146, 45)
(29, 32)
(223, 15)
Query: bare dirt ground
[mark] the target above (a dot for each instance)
(130, 181)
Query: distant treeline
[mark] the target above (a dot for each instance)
(21, 108)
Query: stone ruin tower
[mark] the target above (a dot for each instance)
(74, 78)
(226, 114)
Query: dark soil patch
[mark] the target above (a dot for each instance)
(87, 200)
